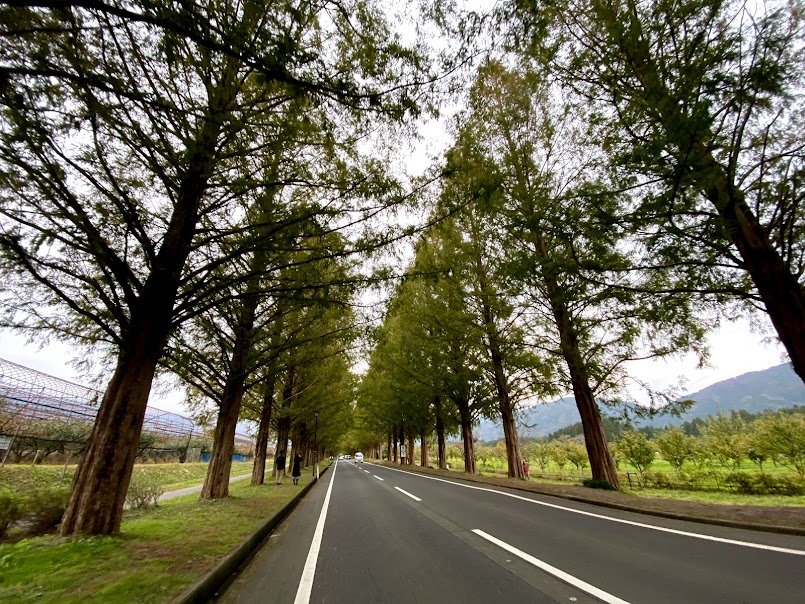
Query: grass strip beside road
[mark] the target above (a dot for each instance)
(172, 476)
(159, 553)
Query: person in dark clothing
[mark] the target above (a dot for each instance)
(296, 469)
(280, 466)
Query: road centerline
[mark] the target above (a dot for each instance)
(378, 477)
(552, 570)
(404, 492)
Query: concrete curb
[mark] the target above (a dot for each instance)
(784, 530)
(206, 587)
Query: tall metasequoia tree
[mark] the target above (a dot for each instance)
(422, 354)
(264, 426)
(118, 128)
(519, 148)
(492, 313)
(704, 99)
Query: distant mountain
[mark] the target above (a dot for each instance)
(774, 388)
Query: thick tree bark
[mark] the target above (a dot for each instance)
(261, 447)
(102, 479)
(595, 438)
(284, 420)
(505, 406)
(410, 459)
(216, 483)
(423, 451)
(502, 391)
(388, 446)
(440, 437)
(394, 439)
(465, 417)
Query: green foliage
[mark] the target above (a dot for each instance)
(44, 508)
(577, 455)
(764, 484)
(637, 450)
(726, 440)
(675, 447)
(537, 453)
(613, 427)
(781, 438)
(11, 510)
(558, 453)
(144, 491)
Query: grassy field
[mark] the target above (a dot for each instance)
(21, 478)
(553, 475)
(159, 553)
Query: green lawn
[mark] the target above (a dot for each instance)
(171, 476)
(159, 553)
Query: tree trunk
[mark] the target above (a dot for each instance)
(423, 451)
(388, 446)
(440, 439)
(465, 417)
(284, 420)
(102, 479)
(261, 447)
(394, 438)
(493, 345)
(216, 483)
(505, 406)
(595, 438)
(410, 459)
(513, 457)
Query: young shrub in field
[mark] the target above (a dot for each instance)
(675, 446)
(577, 455)
(144, 491)
(537, 453)
(764, 484)
(44, 509)
(726, 439)
(558, 455)
(659, 480)
(10, 510)
(784, 439)
(637, 450)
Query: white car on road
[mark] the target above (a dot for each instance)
(358, 457)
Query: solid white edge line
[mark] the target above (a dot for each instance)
(771, 548)
(309, 572)
(414, 497)
(560, 574)
(378, 477)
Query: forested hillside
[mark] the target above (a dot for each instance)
(774, 388)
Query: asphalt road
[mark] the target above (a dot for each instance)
(391, 536)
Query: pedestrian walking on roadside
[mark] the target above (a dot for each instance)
(296, 469)
(525, 469)
(280, 466)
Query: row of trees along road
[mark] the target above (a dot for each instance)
(173, 174)
(621, 174)
(162, 164)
